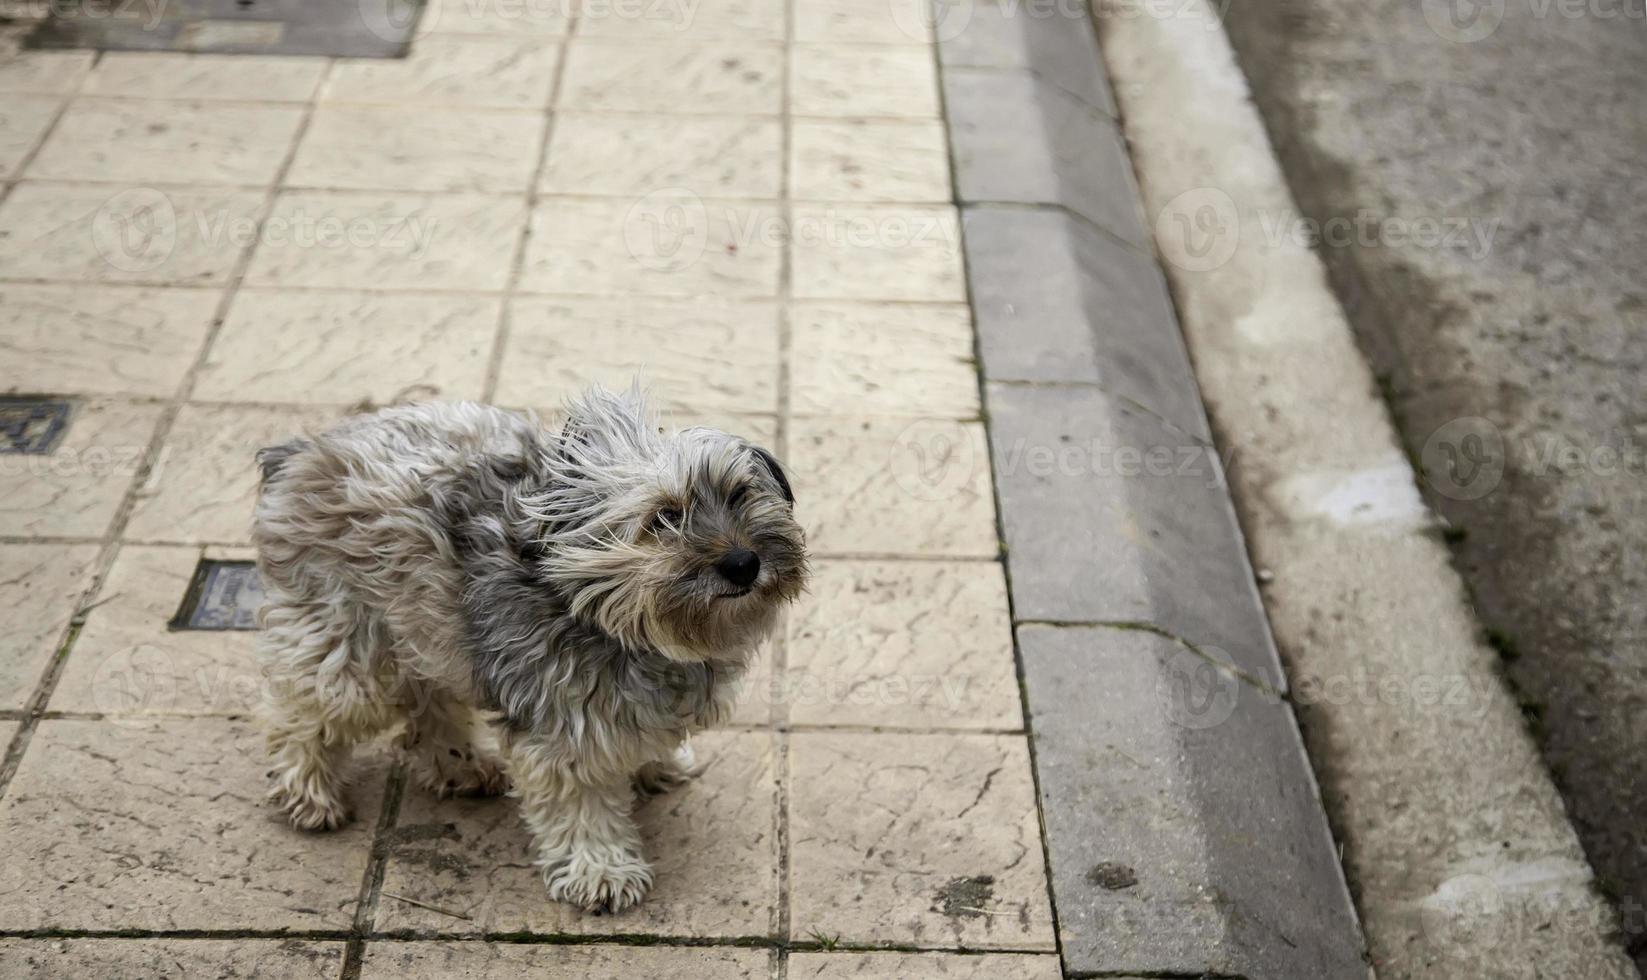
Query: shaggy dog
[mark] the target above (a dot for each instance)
(588, 598)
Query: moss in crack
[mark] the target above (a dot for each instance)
(1503, 645)
(966, 898)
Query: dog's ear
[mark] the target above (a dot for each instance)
(774, 469)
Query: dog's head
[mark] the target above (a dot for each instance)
(682, 542)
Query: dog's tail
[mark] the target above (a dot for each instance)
(272, 458)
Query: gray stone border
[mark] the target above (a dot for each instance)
(1183, 823)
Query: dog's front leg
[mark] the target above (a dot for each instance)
(588, 845)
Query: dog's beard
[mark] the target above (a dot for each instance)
(712, 623)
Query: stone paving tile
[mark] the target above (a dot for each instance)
(661, 245)
(418, 149)
(44, 72)
(913, 644)
(1019, 139)
(112, 233)
(756, 700)
(76, 490)
(700, 20)
(160, 825)
(40, 585)
(1058, 45)
(158, 75)
(886, 358)
(113, 340)
(168, 142)
(1112, 516)
(863, 80)
(203, 486)
(170, 959)
(625, 155)
(759, 429)
(1057, 300)
(922, 966)
(886, 486)
(339, 348)
(713, 845)
(23, 120)
(695, 77)
(857, 160)
(887, 252)
(497, 961)
(127, 662)
(501, 73)
(1141, 745)
(693, 357)
(359, 240)
(525, 18)
(869, 21)
(929, 839)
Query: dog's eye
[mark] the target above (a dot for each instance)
(736, 497)
(667, 519)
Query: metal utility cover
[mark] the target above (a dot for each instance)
(223, 595)
(32, 426)
(334, 28)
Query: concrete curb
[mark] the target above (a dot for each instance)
(1464, 859)
(1183, 822)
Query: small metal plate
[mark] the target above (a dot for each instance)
(224, 595)
(333, 28)
(32, 426)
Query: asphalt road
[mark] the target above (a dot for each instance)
(1477, 175)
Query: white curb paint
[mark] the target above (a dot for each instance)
(1383, 495)
(1455, 840)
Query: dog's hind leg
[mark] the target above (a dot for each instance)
(440, 743)
(320, 700)
(664, 775)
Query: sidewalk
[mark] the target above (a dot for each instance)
(755, 205)
(205, 254)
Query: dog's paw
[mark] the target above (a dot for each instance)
(474, 775)
(308, 809)
(480, 779)
(488, 779)
(657, 778)
(599, 883)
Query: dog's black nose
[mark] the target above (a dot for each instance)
(740, 567)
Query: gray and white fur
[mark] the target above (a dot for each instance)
(548, 613)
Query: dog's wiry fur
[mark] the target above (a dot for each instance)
(542, 610)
